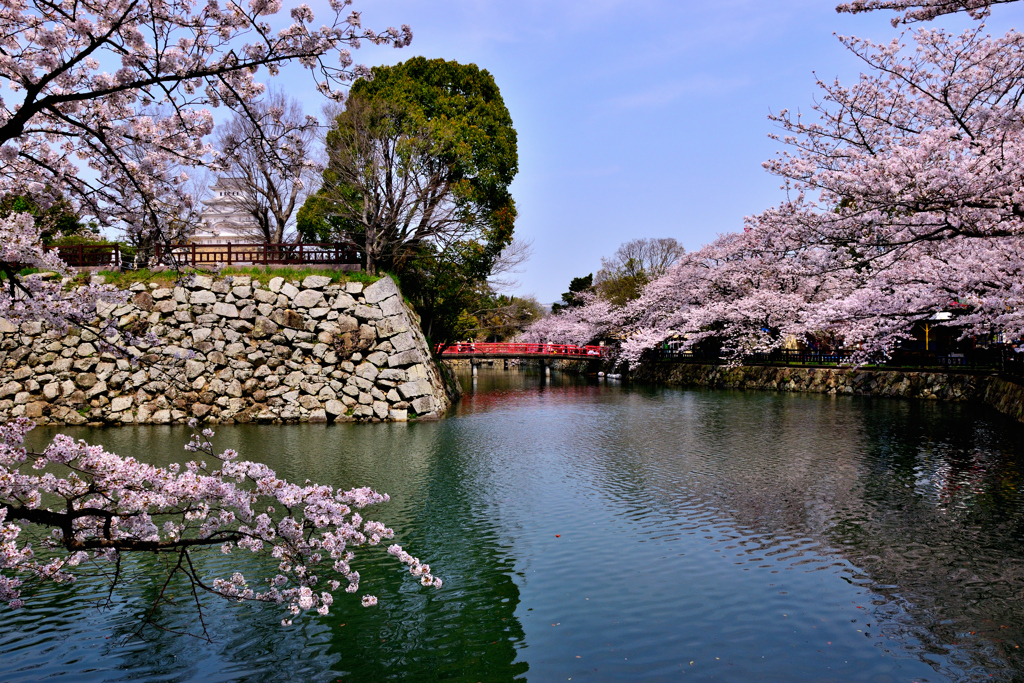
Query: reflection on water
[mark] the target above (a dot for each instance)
(602, 532)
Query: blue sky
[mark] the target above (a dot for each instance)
(639, 118)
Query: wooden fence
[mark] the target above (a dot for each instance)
(89, 255)
(336, 253)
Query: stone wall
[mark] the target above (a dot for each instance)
(1005, 396)
(232, 350)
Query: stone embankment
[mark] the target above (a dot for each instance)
(1005, 396)
(231, 350)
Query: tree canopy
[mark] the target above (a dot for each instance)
(419, 161)
(635, 263)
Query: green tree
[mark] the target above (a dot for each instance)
(419, 166)
(501, 317)
(577, 286)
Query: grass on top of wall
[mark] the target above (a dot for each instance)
(261, 273)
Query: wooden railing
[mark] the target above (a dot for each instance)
(337, 253)
(89, 255)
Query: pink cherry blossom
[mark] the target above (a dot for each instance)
(110, 505)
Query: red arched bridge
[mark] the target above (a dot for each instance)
(541, 351)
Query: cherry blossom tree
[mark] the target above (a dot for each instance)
(106, 103)
(904, 201)
(909, 184)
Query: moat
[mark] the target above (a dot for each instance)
(594, 531)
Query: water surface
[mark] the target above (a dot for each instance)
(592, 531)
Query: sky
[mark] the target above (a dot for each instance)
(635, 118)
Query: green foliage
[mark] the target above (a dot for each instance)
(501, 317)
(622, 288)
(577, 286)
(422, 157)
(445, 288)
(469, 124)
(60, 217)
(315, 222)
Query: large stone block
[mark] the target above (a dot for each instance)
(289, 290)
(316, 281)
(367, 371)
(404, 358)
(389, 327)
(144, 300)
(120, 403)
(346, 323)
(288, 318)
(35, 409)
(380, 290)
(335, 408)
(85, 380)
(264, 328)
(378, 358)
(265, 296)
(368, 312)
(424, 405)
(202, 296)
(309, 402)
(343, 302)
(403, 342)
(225, 310)
(31, 328)
(99, 388)
(392, 375)
(308, 298)
(202, 282)
(51, 390)
(410, 390)
(392, 306)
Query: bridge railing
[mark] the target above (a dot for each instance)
(521, 350)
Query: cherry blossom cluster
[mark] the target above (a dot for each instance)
(922, 10)
(105, 505)
(36, 299)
